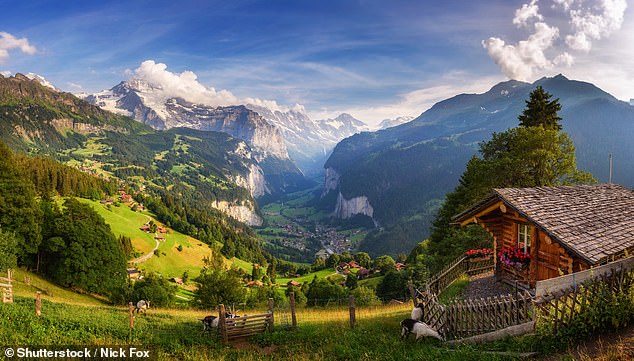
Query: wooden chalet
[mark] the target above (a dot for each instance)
(564, 229)
(293, 283)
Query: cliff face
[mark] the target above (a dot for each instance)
(347, 208)
(241, 212)
(331, 181)
(254, 181)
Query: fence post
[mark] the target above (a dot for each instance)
(222, 322)
(131, 314)
(412, 292)
(272, 317)
(353, 315)
(38, 303)
(292, 304)
(9, 275)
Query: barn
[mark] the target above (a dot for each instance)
(544, 232)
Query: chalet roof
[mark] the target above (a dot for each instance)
(592, 221)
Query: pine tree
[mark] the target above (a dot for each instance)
(541, 111)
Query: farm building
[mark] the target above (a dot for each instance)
(293, 283)
(544, 232)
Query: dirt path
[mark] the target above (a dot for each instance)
(149, 255)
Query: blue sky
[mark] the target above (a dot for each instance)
(373, 59)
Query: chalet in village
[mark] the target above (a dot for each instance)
(545, 232)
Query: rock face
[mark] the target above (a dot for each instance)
(241, 212)
(347, 208)
(331, 181)
(254, 182)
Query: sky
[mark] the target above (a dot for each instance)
(369, 58)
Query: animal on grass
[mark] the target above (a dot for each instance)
(420, 329)
(211, 322)
(417, 312)
(142, 305)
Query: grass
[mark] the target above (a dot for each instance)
(171, 262)
(307, 277)
(323, 334)
(50, 291)
(371, 282)
(454, 290)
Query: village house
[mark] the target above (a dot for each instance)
(399, 266)
(177, 280)
(133, 273)
(159, 237)
(544, 232)
(293, 283)
(363, 273)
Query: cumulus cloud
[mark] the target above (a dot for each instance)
(10, 42)
(185, 85)
(595, 23)
(519, 61)
(527, 12)
(588, 21)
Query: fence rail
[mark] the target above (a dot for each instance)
(241, 327)
(455, 269)
(7, 288)
(561, 307)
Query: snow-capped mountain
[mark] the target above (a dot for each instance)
(148, 104)
(389, 123)
(42, 80)
(272, 130)
(310, 141)
(140, 100)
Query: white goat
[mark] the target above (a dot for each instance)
(417, 312)
(211, 322)
(142, 305)
(420, 329)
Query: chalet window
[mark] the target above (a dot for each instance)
(524, 237)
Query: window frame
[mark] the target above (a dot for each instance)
(527, 236)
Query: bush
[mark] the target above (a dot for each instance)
(155, 289)
(365, 296)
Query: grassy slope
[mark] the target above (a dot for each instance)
(171, 262)
(176, 335)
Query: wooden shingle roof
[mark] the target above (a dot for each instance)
(593, 221)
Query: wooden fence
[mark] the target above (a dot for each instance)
(241, 327)
(562, 306)
(455, 269)
(6, 287)
(464, 318)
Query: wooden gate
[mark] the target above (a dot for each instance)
(241, 327)
(7, 288)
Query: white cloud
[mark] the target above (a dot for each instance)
(519, 61)
(185, 85)
(527, 12)
(588, 21)
(564, 59)
(595, 23)
(10, 42)
(565, 4)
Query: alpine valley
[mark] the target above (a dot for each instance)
(238, 158)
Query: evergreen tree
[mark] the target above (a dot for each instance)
(19, 209)
(8, 246)
(83, 253)
(541, 111)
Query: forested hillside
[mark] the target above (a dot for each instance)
(405, 171)
(193, 180)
